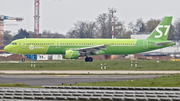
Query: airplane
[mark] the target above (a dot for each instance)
(75, 48)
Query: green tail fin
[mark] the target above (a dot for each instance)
(162, 30)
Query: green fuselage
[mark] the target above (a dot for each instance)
(59, 46)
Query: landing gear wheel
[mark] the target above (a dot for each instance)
(88, 59)
(23, 60)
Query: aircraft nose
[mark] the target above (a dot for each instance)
(6, 48)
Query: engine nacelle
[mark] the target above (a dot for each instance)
(70, 54)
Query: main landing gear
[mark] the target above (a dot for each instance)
(23, 59)
(88, 59)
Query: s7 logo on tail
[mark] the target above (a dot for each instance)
(160, 32)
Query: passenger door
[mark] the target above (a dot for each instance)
(23, 44)
(145, 44)
(99, 43)
(57, 44)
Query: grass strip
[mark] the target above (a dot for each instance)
(166, 81)
(95, 65)
(14, 85)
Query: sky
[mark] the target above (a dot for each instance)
(60, 15)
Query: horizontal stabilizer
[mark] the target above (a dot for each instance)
(162, 43)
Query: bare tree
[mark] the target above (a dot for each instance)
(151, 24)
(49, 34)
(104, 26)
(177, 28)
(120, 29)
(82, 29)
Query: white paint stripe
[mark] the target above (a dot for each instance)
(97, 72)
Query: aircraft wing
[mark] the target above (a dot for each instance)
(93, 49)
(162, 43)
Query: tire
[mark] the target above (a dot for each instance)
(23, 60)
(86, 60)
(90, 59)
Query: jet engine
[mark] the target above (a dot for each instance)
(70, 54)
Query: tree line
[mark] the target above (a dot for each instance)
(101, 27)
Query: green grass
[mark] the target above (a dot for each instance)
(171, 81)
(13, 85)
(95, 65)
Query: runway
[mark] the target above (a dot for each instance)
(39, 80)
(87, 72)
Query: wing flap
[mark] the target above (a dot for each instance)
(98, 47)
(92, 49)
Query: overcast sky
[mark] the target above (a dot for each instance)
(60, 15)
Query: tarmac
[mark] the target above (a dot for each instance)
(39, 80)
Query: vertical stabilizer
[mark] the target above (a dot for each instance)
(162, 30)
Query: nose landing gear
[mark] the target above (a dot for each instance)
(23, 59)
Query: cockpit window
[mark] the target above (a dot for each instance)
(13, 43)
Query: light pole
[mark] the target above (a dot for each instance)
(112, 11)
